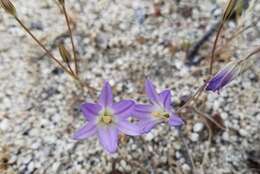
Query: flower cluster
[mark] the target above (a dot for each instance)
(108, 119)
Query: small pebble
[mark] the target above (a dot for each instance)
(194, 137)
(243, 132)
(186, 167)
(198, 127)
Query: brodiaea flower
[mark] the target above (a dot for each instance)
(158, 111)
(224, 76)
(107, 119)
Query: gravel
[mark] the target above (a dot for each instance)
(39, 102)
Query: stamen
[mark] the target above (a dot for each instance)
(107, 119)
(163, 115)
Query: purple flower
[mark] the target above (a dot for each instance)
(223, 77)
(158, 111)
(107, 120)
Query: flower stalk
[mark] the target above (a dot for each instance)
(62, 2)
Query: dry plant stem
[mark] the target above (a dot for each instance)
(71, 38)
(75, 77)
(188, 153)
(44, 48)
(251, 54)
(212, 59)
(192, 97)
(68, 64)
(205, 155)
(208, 117)
(204, 116)
(230, 6)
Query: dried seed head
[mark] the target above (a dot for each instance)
(229, 9)
(64, 53)
(62, 1)
(8, 7)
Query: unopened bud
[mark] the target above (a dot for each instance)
(229, 9)
(8, 7)
(62, 1)
(64, 53)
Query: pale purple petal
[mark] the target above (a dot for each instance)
(142, 111)
(106, 96)
(123, 109)
(108, 138)
(86, 131)
(215, 83)
(165, 98)
(223, 77)
(128, 128)
(148, 124)
(90, 110)
(175, 120)
(151, 92)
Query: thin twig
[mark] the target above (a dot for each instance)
(71, 38)
(76, 78)
(228, 11)
(188, 152)
(212, 59)
(208, 117)
(251, 54)
(199, 90)
(44, 48)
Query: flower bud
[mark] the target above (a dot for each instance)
(224, 76)
(229, 9)
(62, 1)
(64, 53)
(8, 7)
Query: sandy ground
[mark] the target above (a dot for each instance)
(39, 102)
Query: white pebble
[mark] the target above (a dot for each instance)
(243, 132)
(198, 127)
(194, 137)
(186, 167)
(225, 136)
(4, 124)
(149, 136)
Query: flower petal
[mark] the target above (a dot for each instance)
(123, 109)
(142, 111)
(148, 124)
(129, 128)
(90, 110)
(223, 77)
(108, 138)
(165, 98)
(175, 120)
(86, 131)
(151, 92)
(106, 96)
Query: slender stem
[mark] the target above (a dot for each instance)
(208, 117)
(188, 152)
(43, 47)
(252, 53)
(69, 72)
(68, 64)
(192, 97)
(212, 59)
(71, 38)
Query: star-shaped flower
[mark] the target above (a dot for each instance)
(107, 120)
(158, 111)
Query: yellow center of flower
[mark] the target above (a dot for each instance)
(107, 119)
(163, 115)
